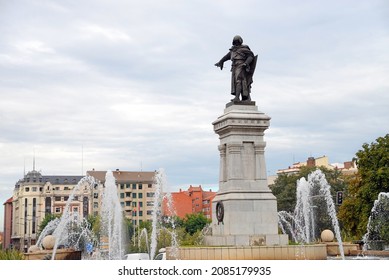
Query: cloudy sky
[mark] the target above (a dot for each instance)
(132, 84)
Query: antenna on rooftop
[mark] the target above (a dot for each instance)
(82, 160)
(33, 161)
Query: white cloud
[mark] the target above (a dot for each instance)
(115, 35)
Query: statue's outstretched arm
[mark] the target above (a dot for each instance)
(221, 62)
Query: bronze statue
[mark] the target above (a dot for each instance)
(242, 68)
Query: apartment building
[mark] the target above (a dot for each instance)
(36, 196)
(193, 200)
(346, 168)
(136, 190)
(6, 244)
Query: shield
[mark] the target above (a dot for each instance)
(250, 74)
(253, 64)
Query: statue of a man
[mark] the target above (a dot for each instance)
(242, 68)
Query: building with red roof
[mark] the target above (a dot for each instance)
(193, 200)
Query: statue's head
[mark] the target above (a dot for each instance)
(237, 41)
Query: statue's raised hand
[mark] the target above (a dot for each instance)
(219, 64)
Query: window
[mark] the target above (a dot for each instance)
(34, 189)
(149, 186)
(150, 194)
(140, 204)
(96, 195)
(140, 213)
(133, 195)
(134, 186)
(134, 204)
(85, 206)
(128, 203)
(95, 205)
(149, 212)
(26, 189)
(150, 203)
(121, 195)
(140, 186)
(48, 205)
(57, 210)
(140, 195)
(57, 198)
(128, 194)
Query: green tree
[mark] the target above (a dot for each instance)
(47, 219)
(94, 222)
(195, 222)
(372, 178)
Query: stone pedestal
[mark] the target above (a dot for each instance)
(244, 209)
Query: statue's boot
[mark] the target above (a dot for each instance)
(246, 98)
(238, 89)
(236, 99)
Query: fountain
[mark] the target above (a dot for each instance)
(143, 235)
(376, 237)
(72, 234)
(160, 181)
(171, 221)
(112, 220)
(310, 194)
(159, 196)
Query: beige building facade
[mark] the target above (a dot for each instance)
(347, 168)
(36, 196)
(136, 190)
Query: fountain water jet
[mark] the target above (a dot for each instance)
(112, 219)
(302, 222)
(377, 227)
(143, 234)
(60, 233)
(160, 181)
(72, 233)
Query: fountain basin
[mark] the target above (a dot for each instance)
(348, 248)
(288, 252)
(370, 253)
(61, 254)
